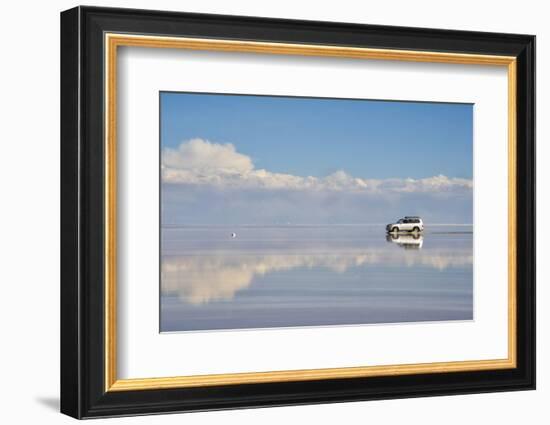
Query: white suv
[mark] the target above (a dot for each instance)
(407, 224)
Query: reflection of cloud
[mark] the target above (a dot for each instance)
(202, 279)
(200, 162)
(442, 262)
(198, 280)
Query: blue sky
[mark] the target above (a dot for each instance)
(235, 159)
(312, 136)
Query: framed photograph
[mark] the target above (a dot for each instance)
(261, 212)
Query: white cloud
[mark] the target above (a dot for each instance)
(201, 162)
(203, 158)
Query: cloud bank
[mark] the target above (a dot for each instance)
(201, 162)
(211, 183)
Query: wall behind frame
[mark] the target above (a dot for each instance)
(29, 176)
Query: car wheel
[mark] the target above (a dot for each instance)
(395, 229)
(416, 229)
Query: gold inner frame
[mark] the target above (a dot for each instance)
(113, 41)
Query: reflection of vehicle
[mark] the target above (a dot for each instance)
(407, 224)
(406, 240)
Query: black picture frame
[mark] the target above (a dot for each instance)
(83, 392)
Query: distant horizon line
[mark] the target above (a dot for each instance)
(304, 225)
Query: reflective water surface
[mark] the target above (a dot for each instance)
(262, 277)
